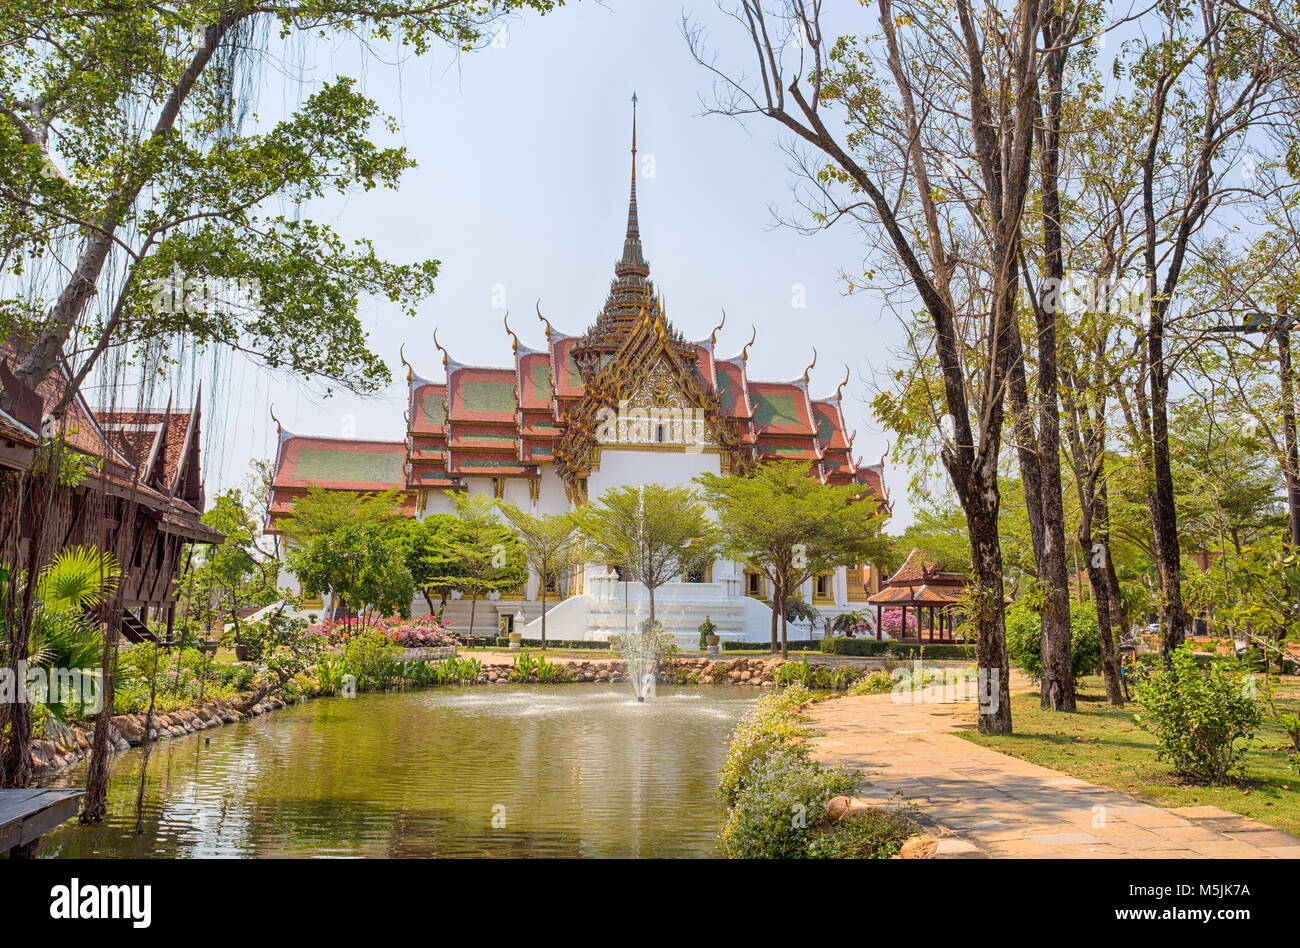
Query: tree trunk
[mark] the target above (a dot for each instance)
(784, 624)
(1099, 584)
(776, 604)
(543, 615)
(473, 604)
(990, 616)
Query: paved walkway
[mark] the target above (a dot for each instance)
(982, 803)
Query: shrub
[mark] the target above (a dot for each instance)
(1025, 640)
(769, 724)
(1201, 717)
(847, 646)
(877, 683)
(798, 645)
(556, 643)
(371, 659)
(783, 795)
(707, 627)
(871, 834)
(891, 623)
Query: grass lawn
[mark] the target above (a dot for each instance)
(1102, 745)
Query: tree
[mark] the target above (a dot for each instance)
(239, 571)
(484, 556)
(653, 532)
(430, 556)
(787, 525)
(363, 566)
(122, 157)
(353, 546)
(1200, 85)
(552, 543)
(961, 90)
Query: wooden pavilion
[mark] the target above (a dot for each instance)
(932, 592)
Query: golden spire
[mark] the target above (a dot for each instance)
(545, 320)
(445, 356)
(810, 366)
(839, 388)
(713, 337)
(744, 353)
(514, 339)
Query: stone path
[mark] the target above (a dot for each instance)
(981, 803)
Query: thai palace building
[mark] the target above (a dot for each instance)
(627, 402)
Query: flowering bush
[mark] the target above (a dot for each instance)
(422, 632)
(769, 724)
(851, 623)
(777, 795)
(783, 796)
(891, 623)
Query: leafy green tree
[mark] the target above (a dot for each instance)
(352, 545)
(121, 154)
(236, 574)
(552, 543)
(653, 532)
(790, 527)
(322, 511)
(430, 545)
(484, 555)
(362, 565)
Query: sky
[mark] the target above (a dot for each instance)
(521, 192)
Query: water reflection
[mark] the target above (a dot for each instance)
(565, 770)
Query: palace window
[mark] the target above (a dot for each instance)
(498, 487)
(753, 585)
(824, 587)
(702, 575)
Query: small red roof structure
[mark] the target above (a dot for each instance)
(923, 585)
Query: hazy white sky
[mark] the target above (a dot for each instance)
(521, 192)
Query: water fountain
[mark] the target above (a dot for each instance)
(641, 650)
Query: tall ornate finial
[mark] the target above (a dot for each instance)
(744, 353)
(445, 356)
(401, 354)
(632, 262)
(713, 337)
(839, 388)
(545, 320)
(810, 366)
(513, 337)
(279, 429)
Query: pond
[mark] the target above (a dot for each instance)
(554, 770)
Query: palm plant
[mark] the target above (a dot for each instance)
(64, 634)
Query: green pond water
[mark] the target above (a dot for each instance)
(570, 770)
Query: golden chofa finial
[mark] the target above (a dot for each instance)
(514, 339)
(279, 429)
(840, 388)
(401, 354)
(713, 337)
(744, 353)
(810, 366)
(445, 356)
(545, 320)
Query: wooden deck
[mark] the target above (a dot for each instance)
(26, 815)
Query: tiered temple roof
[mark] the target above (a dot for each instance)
(514, 421)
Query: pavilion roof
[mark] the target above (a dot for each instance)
(918, 570)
